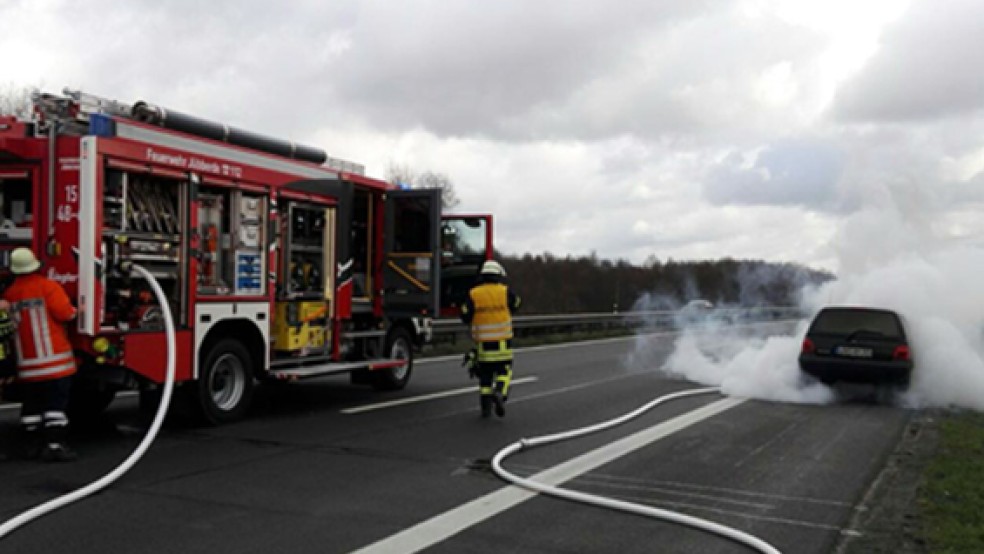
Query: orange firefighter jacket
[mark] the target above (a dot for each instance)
(41, 309)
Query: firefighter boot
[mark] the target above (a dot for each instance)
(486, 405)
(55, 448)
(500, 403)
(31, 443)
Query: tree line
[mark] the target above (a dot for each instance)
(552, 284)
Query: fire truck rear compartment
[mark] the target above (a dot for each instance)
(16, 209)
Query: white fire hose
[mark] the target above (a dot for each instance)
(758, 544)
(42, 509)
(620, 505)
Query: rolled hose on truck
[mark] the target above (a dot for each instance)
(42, 509)
(620, 505)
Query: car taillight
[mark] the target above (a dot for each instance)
(901, 353)
(808, 346)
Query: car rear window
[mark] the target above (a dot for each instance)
(839, 322)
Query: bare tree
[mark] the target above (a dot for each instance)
(15, 100)
(404, 175)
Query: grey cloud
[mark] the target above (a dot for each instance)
(249, 64)
(928, 66)
(457, 70)
(508, 70)
(794, 172)
(535, 71)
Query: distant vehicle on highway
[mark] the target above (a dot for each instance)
(698, 305)
(694, 312)
(857, 345)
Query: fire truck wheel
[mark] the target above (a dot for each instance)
(225, 384)
(398, 346)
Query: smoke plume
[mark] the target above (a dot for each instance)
(888, 258)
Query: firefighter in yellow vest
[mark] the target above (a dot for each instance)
(489, 310)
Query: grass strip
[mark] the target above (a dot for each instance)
(952, 496)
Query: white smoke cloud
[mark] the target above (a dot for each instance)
(744, 365)
(941, 299)
(890, 257)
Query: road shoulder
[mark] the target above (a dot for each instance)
(888, 521)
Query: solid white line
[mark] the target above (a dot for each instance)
(425, 397)
(450, 523)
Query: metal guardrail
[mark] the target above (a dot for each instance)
(525, 325)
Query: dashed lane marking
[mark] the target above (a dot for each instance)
(426, 397)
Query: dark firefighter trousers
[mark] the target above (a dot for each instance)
(494, 376)
(43, 411)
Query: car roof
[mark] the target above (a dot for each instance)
(857, 309)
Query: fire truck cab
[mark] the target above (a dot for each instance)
(278, 262)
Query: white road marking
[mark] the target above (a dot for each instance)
(742, 513)
(450, 523)
(603, 480)
(426, 397)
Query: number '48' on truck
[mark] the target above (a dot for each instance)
(277, 261)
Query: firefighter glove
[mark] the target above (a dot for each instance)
(7, 326)
(8, 363)
(470, 361)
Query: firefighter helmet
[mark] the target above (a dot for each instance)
(493, 267)
(22, 261)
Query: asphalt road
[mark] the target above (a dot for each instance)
(324, 466)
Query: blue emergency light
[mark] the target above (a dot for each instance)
(101, 125)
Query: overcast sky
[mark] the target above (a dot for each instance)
(682, 129)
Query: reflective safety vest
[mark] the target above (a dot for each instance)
(41, 308)
(491, 325)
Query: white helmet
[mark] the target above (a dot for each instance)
(22, 261)
(493, 267)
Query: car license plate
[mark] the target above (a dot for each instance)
(854, 351)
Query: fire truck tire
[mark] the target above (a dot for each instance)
(225, 383)
(398, 345)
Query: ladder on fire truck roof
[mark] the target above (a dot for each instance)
(75, 108)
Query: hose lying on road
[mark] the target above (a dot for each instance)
(604, 502)
(10, 525)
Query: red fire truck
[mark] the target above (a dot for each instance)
(278, 262)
